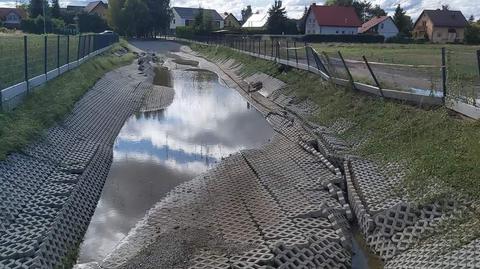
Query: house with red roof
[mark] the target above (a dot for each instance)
(331, 20)
(382, 25)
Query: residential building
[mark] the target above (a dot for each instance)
(332, 20)
(185, 16)
(97, 7)
(12, 17)
(230, 21)
(382, 25)
(440, 26)
(257, 21)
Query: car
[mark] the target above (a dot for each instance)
(106, 32)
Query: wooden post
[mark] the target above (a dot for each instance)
(348, 71)
(444, 74)
(373, 75)
(68, 49)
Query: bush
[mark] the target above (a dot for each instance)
(472, 33)
(91, 23)
(344, 38)
(35, 26)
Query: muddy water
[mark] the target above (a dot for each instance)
(156, 151)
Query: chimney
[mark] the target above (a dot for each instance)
(314, 4)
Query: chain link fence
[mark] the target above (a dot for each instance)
(25, 59)
(412, 74)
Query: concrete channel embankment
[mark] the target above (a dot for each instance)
(49, 190)
(403, 233)
(290, 203)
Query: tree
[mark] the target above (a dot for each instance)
(203, 22)
(345, 3)
(471, 19)
(55, 9)
(445, 7)
(277, 19)
(377, 11)
(36, 8)
(472, 33)
(402, 21)
(303, 21)
(246, 13)
(139, 17)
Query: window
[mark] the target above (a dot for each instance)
(381, 25)
(12, 17)
(343, 32)
(336, 32)
(439, 34)
(173, 21)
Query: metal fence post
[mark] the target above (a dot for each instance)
(295, 48)
(272, 49)
(45, 56)
(306, 55)
(373, 75)
(288, 56)
(58, 54)
(478, 61)
(259, 47)
(78, 47)
(444, 74)
(265, 48)
(348, 71)
(25, 60)
(68, 49)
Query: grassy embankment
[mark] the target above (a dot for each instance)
(52, 101)
(441, 151)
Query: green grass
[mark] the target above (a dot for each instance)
(52, 101)
(12, 66)
(437, 148)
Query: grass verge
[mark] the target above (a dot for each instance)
(52, 101)
(440, 150)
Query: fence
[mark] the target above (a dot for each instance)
(29, 61)
(448, 79)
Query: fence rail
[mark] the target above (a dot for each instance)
(29, 61)
(431, 84)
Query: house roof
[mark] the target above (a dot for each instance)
(92, 5)
(335, 16)
(4, 11)
(190, 13)
(372, 23)
(445, 18)
(233, 16)
(256, 20)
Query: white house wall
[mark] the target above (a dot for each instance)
(176, 21)
(387, 28)
(312, 28)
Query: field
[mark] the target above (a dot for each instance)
(425, 60)
(12, 66)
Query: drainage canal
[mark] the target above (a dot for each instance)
(158, 150)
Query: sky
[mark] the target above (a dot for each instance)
(295, 7)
